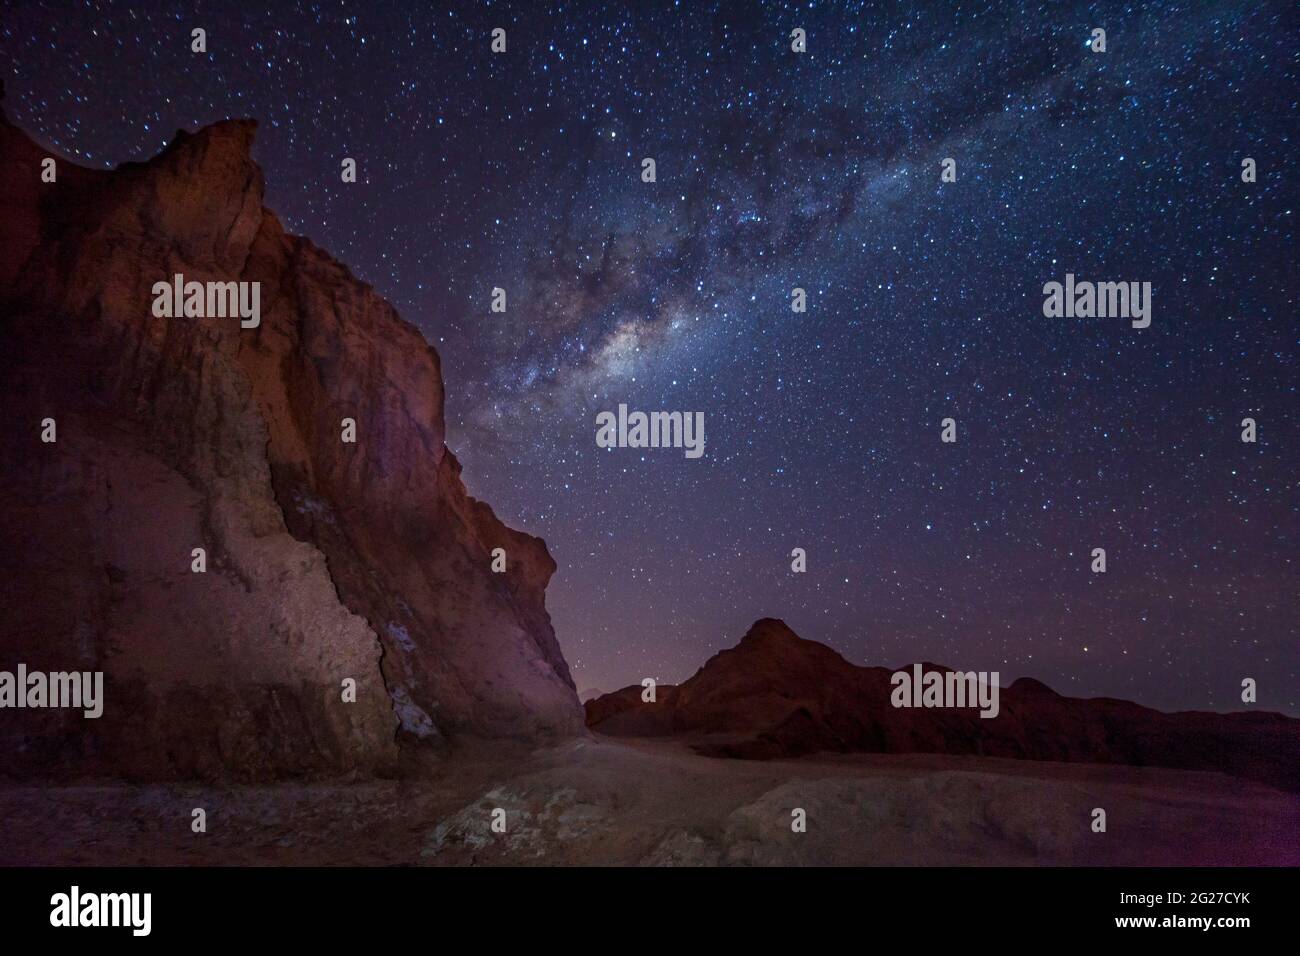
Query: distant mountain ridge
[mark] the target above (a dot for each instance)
(776, 694)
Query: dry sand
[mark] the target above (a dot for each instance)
(599, 801)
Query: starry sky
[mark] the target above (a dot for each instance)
(819, 170)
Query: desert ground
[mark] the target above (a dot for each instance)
(601, 801)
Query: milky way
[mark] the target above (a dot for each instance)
(817, 170)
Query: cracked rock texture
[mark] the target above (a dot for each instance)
(325, 560)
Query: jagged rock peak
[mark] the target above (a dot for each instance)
(327, 560)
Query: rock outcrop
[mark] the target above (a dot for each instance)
(326, 560)
(778, 695)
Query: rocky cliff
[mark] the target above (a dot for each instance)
(326, 560)
(778, 695)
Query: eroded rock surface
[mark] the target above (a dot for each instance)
(325, 560)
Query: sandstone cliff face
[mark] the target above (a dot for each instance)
(326, 560)
(778, 695)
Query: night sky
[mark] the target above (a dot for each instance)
(821, 170)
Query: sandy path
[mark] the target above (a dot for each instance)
(602, 801)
